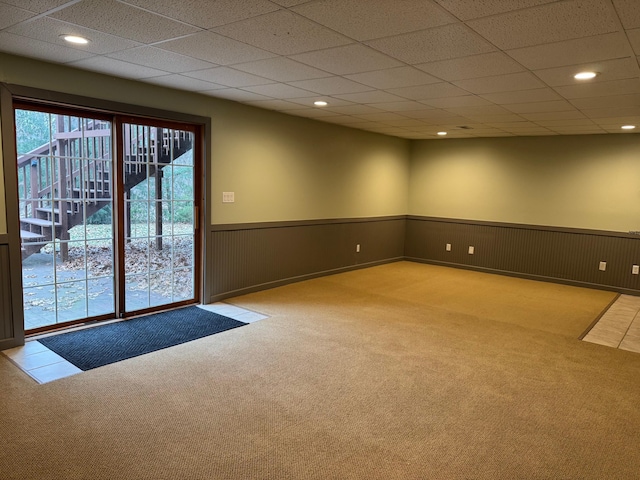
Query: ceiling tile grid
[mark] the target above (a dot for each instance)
(406, 68)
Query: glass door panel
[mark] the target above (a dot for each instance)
(66, 226)
(159, 216)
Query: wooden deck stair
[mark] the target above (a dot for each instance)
(60, 186)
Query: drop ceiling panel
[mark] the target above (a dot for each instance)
(574, 52)
(611, 101)
(228, 77)
(380, 117)
(185, 83)
(353, 109)
(393, 78)
(608, 112)
(115, 18)
(375, 96)
(462, 101)
(403, 106)
(601, 89)
(343, 120)
(426, 92)
(331, 86)
(523, 96)
(308, 101)
(49, 30)
(566, 123)
(11, 15)
(619, 121)
(122, 69)
(29, 47)
(236, 94)
(161, 59)
(407, 122)
(553, 22)
(467, 10)
(508, 125)
(409, 67)
(366, 20)
(281, 69)
(537, 107)
(37, 6)
(283, 33)
(481, 110)
(207, 13)
(354, 58)
(501, 83)
(215, 48)
(440, 43)
(436, 115)
(483, 65)
(310, 112)
(629, 12)
(279, 90)
(634, 39)
(489, 119)
(584, 129)
(614, 70)
(547, 116)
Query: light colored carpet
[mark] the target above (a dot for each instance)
(403, 371)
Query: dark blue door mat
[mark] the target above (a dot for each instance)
(98, 346)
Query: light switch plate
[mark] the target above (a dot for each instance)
(228, 197)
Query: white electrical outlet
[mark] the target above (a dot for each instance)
(471, 250)
(603, 266)
(358, 248)
(448, 247)
(228, 197)
(635, 270)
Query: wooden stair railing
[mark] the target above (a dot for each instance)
(59, 191)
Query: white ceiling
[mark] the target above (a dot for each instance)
(407, 68)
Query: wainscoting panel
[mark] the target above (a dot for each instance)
(554, 254)
(257, 256)
(6, 311)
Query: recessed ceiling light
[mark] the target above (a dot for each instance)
(75, 39)
(585, 75)
(442, 133)
(628, 127)
(320, 103)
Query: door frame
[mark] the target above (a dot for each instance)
(10, 93)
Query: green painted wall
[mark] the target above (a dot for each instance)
(290, 168)
(582, 181)
(279, 166)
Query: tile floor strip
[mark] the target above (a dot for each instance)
(45, 366)
(619, 327)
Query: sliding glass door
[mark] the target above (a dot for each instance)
(159, 214)
(65, 203)
(108, 216)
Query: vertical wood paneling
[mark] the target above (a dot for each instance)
(248, 258)
(553, 254)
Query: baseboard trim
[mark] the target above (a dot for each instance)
(286, 281)
(526, 276)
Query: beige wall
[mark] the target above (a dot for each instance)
(290, 168)
(571, 181)
(279, 166)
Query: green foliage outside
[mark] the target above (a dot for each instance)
(32, 130)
